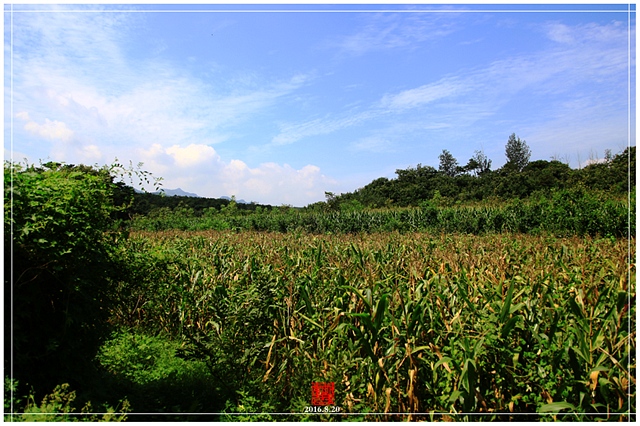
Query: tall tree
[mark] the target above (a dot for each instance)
(517, 152)
(479, 163)
(448, 164)
(471, 166)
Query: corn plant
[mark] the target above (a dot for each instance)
(501, 325)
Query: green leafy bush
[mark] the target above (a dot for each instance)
(148, 371)
(63, 247)
(59, 406)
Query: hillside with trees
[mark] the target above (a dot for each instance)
(522, 196)
(474, 182)
(451, 184)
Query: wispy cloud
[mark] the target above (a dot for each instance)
(87, 87)
(293, 132)
(376, 144)
(614, 32)
(168, 107)
(76, 87)
(585, 56)
(62, 139)
(419, 96)
(52, 130)
(396, 31)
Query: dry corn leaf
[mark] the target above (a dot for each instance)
(594, 379)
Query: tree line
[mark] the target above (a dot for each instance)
(451, 183)
(146, 202)
(519, 178)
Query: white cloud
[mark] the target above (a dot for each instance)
(594, 161)
(200, 169)
(176, 158)
(75, 65)
(560, 32)
(64, 146)
(614, 32)
(75, 86)
(273, 183)
(52, 130)
(90, 153)
(76, 152)
(164, 109)
(192, 155)
(23, 115)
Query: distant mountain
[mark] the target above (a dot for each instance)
(178, 192)
(241, 201)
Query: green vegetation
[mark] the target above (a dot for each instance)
(499, 324)
(62, 251)
(442, 295)
(58, 407)
(476, 182)
(146, 203)
(544, 196)
(562, 212)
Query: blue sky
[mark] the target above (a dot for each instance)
(279, 106)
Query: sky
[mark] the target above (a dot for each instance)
(280, 104)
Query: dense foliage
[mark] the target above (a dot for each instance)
(614, 175)
(62, 258)
(562, 212)
(146, 202)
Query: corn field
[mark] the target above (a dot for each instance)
(561, 213)
(407, 325)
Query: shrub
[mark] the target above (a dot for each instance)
(63, 248)
(59, 406)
